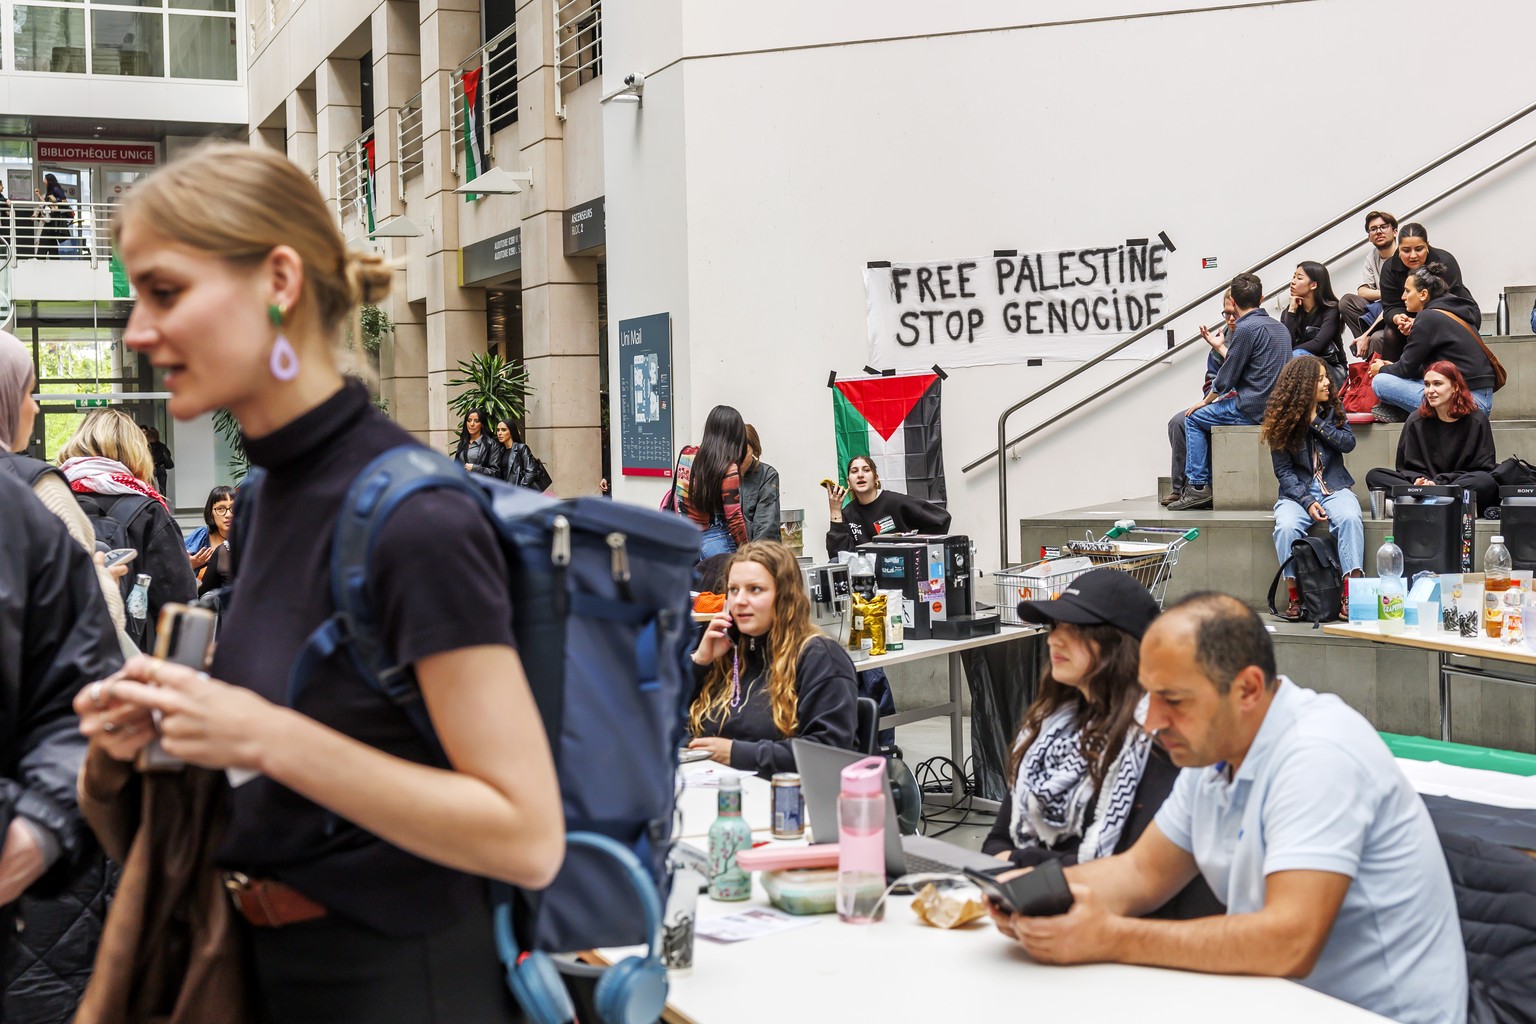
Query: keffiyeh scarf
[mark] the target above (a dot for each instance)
(91, 474)
(1054, 791)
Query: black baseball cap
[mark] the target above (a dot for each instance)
(1106, 597)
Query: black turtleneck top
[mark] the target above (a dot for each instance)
(439, 584)
(825, 691)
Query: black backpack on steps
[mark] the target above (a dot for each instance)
(1314, 565)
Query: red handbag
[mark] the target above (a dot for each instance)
(1356, 395)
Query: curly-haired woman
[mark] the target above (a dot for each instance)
(1308, 438)
(1447, 440)
(766, 673)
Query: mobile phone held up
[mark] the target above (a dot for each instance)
(117, 556)
(1042, 892)
(733, 633)
(184, 636)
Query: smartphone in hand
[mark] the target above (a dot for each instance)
(1042, 892)
(117, 556)
(184, 636)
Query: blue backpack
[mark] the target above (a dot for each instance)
(601, 615)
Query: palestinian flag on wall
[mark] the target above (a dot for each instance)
(895, 421)
(370, 197)
(474, 147)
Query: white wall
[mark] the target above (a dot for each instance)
(749, 192)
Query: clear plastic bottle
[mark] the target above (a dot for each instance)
(861, 842)
(137, 608)
(1391, 593)
(1496, 567)
(728, 835)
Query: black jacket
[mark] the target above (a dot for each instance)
(890, 512)
(55, 638)
(162, 554)
(760, 501)
(825, 693)
(485, 453)
(1394, 275)
(1320, 333)
(1436, 336)
(1496, 901)
(1194, 900)
(1326, 444)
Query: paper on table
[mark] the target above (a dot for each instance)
(749, 924)
(709, 773)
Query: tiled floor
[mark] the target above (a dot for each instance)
(922, 740)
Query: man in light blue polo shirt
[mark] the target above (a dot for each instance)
(1295, 812)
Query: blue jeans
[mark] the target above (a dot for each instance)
(1197, 437)
(717, 539)
(1408, 394)
(1292, 522)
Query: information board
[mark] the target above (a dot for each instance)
(645, 395)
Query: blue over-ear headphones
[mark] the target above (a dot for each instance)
(632, 991)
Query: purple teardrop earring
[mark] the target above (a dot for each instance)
(285, 361)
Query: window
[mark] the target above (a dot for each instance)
(192, 39)
(204, 48)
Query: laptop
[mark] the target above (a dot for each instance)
(821, 767)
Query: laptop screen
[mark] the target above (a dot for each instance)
(820, 768)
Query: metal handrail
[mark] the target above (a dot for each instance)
(86, 236)
(409, 141)
(352, 177)
(1003, 443)
(578, 45)
(498, 92)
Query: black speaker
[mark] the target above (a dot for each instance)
(1517, 522)
(1426, 524)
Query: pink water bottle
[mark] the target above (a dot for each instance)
(861, 842)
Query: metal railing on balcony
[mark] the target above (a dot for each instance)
(352, 173)
(578, 46)
(493, 68)
(32, 230)
(409, 141)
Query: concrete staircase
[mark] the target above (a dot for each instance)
(1395, 688)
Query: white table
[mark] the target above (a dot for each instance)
(1446, 646)
(917, 650)
(900, 970)
(699, 805)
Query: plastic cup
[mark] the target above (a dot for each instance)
(678, 919)
(1378, 504)
(1429, 617)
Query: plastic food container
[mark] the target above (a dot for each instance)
(802, 890)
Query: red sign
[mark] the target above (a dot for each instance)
(97, 153)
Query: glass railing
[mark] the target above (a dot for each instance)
(190, 39)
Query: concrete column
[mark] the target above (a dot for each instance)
(270, 137)
(338, 116)
(454, 316)
(303, 144)
(559, 295)
(396, 30)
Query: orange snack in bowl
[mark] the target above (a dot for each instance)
(709, 604)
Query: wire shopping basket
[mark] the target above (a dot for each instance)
(1149, 561)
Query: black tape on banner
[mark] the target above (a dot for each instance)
(1170, 337)
(878, 265)
(998, 254)
(1034, 362)
(940, 371)
(1133, 243)
(887, 373)
(1167, 241)
(832, 379)
(871, 371)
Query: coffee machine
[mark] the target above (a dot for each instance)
(934, 576)
(828, 588)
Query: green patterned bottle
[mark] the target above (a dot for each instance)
(729, 833)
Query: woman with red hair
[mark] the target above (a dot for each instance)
(1447, 440)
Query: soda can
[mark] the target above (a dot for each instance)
(788, 806)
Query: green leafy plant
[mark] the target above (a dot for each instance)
(491, 383)
(376, 323)
(229, 429)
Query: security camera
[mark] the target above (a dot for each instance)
(636, 82)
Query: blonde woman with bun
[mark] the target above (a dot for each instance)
(356, 855)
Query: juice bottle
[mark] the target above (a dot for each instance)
(1496, 567)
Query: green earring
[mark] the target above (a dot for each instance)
(275, 314)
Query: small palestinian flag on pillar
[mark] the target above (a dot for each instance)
(895, 421)
(370, 197)
(474, 153)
